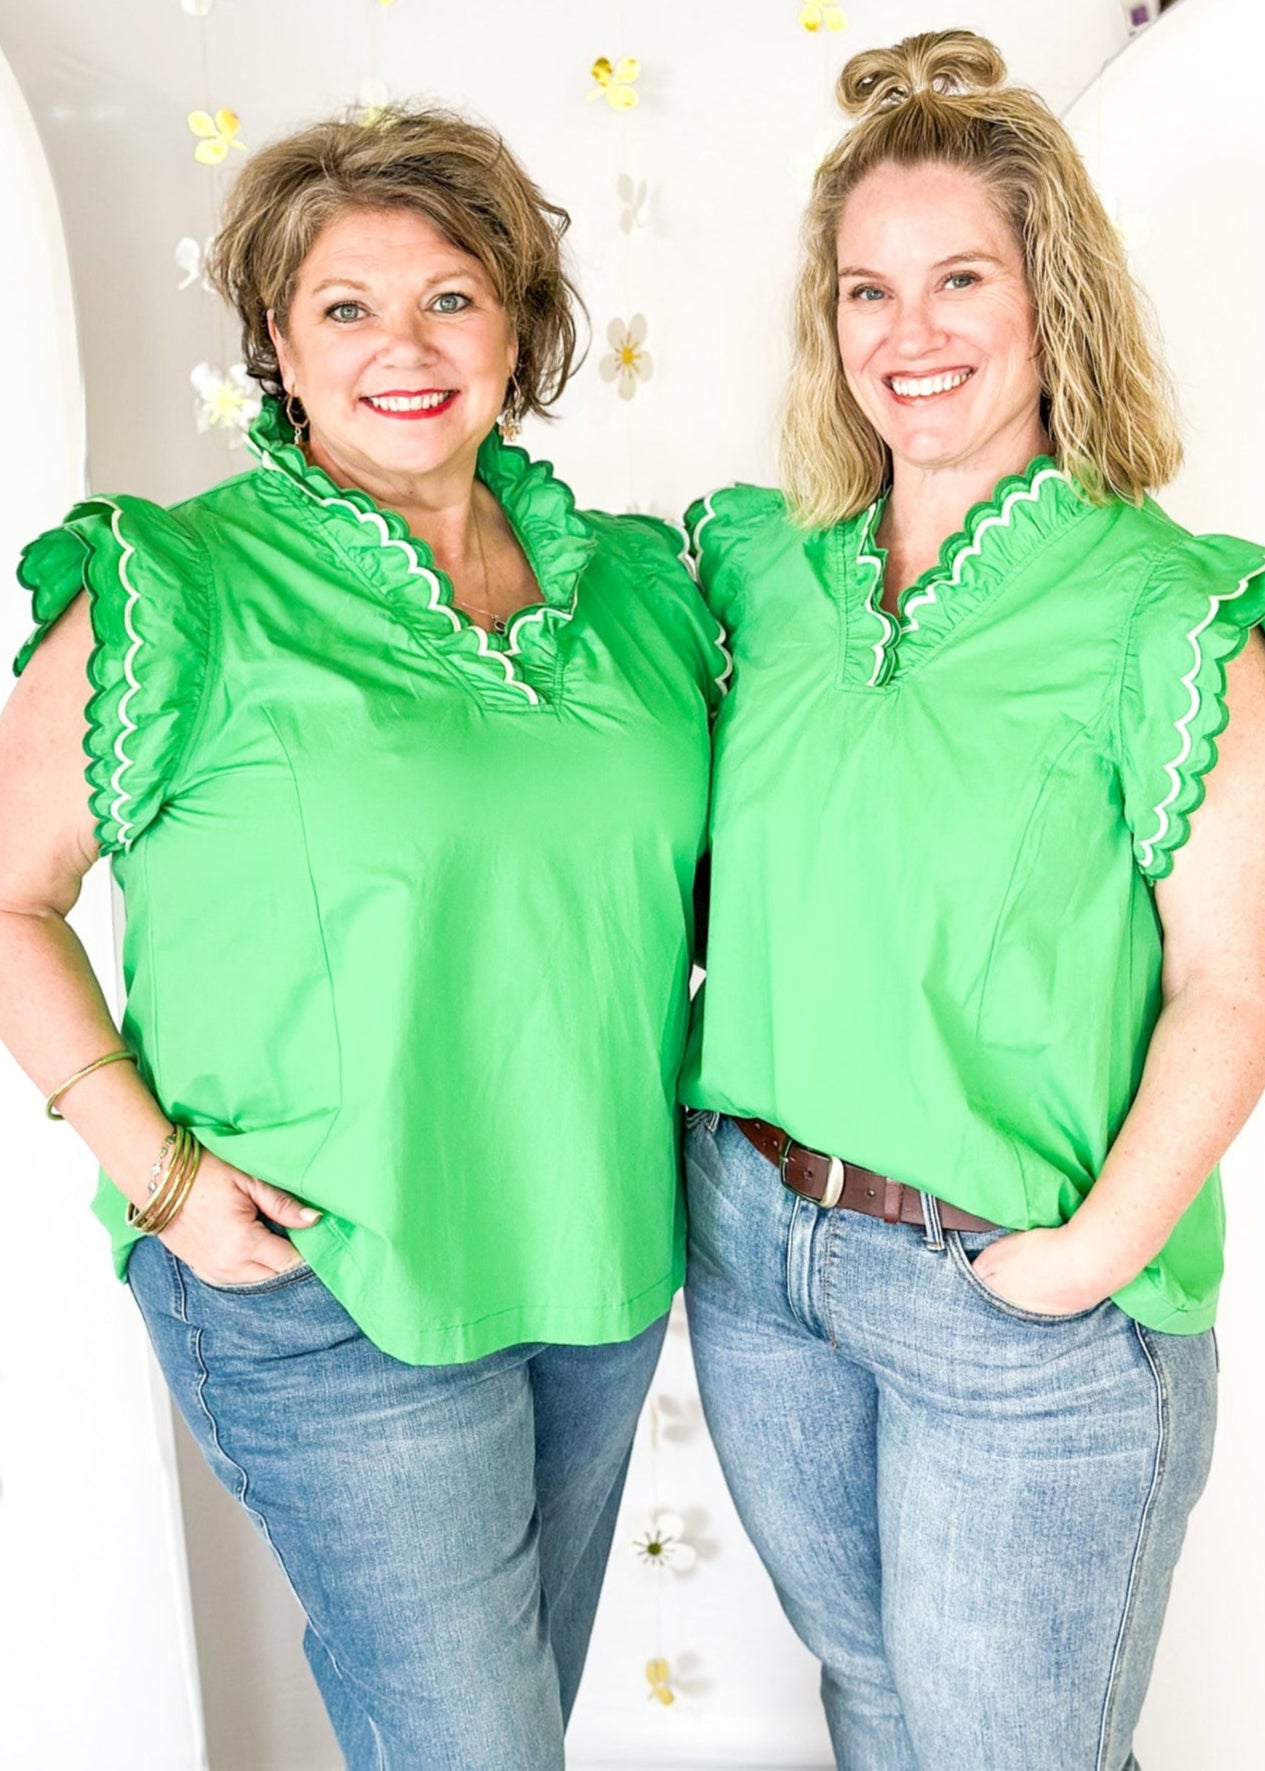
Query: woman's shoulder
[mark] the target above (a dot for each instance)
(736, 515)
(143, 570)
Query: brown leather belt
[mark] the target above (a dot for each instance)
(828, 1181)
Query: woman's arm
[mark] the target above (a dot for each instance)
(53, 1017)
(1205, 1067)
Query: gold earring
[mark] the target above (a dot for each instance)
(297, 422)
(507, 423)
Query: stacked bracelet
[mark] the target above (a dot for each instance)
(173, 1175)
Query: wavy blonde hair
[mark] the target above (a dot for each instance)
(940, 98)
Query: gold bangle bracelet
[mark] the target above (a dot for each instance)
(50, 1105)
(179, 1191)
(168, 1173)
(153, 1214)
(180, 1170)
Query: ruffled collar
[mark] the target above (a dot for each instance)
(1023, 512)
(539, 506)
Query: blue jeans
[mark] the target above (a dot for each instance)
(445, 1528)
(971, 1513)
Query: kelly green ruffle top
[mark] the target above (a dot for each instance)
(934, 947)
(408, 904)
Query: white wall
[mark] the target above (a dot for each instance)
(735, 107)
(92, 1566)
(1175, 132)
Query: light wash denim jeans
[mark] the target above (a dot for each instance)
(445, 1528)
(971, 1513)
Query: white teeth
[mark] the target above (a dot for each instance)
(919, 387)
(406, 402)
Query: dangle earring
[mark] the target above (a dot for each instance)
(507, 423)
(298, 421)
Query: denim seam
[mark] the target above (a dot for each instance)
(835, 1229)
(181, 1307)
(260, 1287)
(1144, 1527)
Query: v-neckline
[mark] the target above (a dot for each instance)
(540, 509)
(1022, 513)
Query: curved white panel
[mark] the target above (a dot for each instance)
(1174, 131)
(97, 1644)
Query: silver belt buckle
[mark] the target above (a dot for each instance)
(836, 1175)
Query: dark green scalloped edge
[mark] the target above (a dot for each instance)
(96, 744)
(964, 537)
(1203, 754)
(540, 505)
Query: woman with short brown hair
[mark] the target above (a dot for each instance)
(401, 762)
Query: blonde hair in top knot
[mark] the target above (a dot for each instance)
(941, 98)
(943, 62)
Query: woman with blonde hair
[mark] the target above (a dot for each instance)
(401, 762)
(984, 999)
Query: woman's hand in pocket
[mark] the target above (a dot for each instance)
(1048, 1272)
(218, 1231)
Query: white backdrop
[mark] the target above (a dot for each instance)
(1175, 132)
(92, 1565)
(735, 106)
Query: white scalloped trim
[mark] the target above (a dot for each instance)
(872, 605)
(128, 725)
(689, 554)
(1146, 850)
(999, 518)
(418, 570)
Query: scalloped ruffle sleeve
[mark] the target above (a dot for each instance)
(1192, 618)
(718, 527)
(147, 586)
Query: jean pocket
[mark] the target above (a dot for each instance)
(964, 1263)
(256, 1287)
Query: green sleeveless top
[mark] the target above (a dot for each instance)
(408, 904)
(934, 947)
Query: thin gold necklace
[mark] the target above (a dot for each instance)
(499, 622)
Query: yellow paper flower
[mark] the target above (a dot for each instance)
(218, 133)
(659, 1678)
(615, 81)
(228, 401)
(626, 362)
(831, 16)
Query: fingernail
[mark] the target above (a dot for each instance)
(308, 1215)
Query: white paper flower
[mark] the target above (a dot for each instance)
(627, 362)
(196, 8)
(228, 401)
(632, 197)
(662, 1544)
(191, 259)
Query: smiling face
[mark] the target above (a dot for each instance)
(399, 350)
(936, 324)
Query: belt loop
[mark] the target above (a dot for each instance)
(893, 1199)
(934, 1233)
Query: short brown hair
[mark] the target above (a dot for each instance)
(458, 174)
(940, 98)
